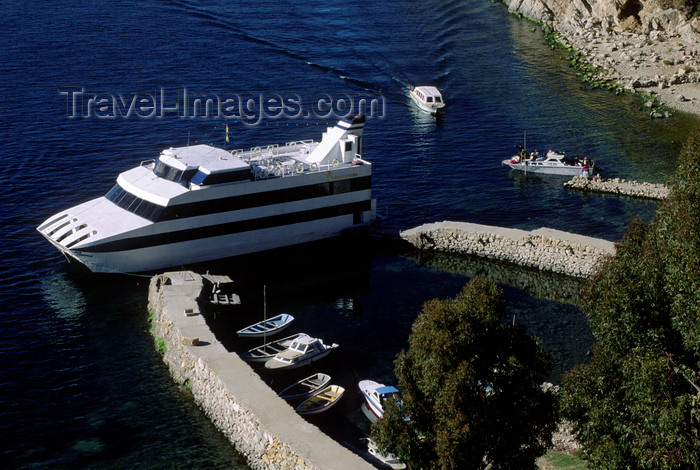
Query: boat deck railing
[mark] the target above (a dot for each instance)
(274, 150)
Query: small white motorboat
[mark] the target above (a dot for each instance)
(304, 388)
(428, 98)
(303, 350)
(553, 163)
(267, 327)
(267, 351)
(377, 394)
(388, 459)
(321, 401)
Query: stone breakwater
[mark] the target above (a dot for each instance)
(262, 426)
(544, 248)
(619, 186)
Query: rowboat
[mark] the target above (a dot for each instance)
(267, 327)
(305, 387)
(267, 351)
(321, 401)
(303, 350)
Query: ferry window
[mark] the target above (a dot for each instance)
(437, 99)
(127, 201)
(348, 146)
(136, 205)
(149, 211)
(429, 99)
(199, 177)
(160, 168)
(187, 176)
(167, 172)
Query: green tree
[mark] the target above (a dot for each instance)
(472, 388)
(636, 404)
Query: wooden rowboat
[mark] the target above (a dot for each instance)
(267, 327)
(321, 401)
(305, 387)
(267, 351)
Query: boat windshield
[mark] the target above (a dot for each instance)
(167, 172)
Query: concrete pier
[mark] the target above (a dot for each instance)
(262, 426)
(544, 248)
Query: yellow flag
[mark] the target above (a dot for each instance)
(226, 132)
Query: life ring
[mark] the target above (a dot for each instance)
(278, 170)
(257, 151)
(335, 162)
(263, 173)
(292, 145)
(314, 166)
(270, 148)
(300, 168)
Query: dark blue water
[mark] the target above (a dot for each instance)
(82, 384)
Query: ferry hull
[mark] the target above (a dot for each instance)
(155, 258)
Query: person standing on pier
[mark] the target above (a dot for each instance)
(585, 169)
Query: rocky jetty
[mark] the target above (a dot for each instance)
(545, 249)
(647, 46)
(619, 186)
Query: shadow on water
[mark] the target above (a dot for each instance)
(364, 295)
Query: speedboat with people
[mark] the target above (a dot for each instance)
(428, 98)
(199, 203)
(553, 163)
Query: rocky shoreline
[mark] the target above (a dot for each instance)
(643, 46)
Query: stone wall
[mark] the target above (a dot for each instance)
(262, 426)
(545, 249)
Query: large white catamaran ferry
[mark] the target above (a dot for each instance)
(199, 203)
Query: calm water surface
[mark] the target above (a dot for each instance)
(82, 384)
